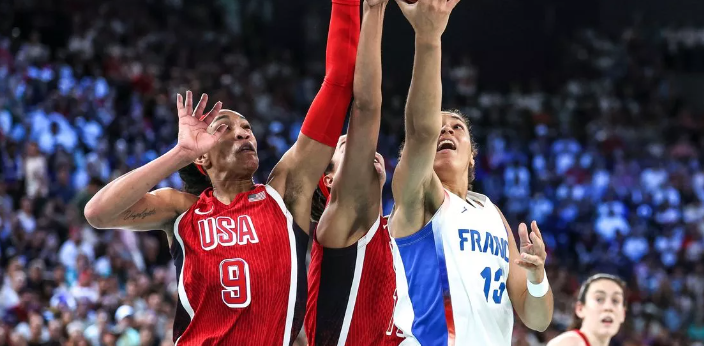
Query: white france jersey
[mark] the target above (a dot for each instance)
(451, 277)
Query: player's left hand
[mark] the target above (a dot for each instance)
(533, 253)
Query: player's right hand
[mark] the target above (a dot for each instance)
(428, 17)
(194, 139)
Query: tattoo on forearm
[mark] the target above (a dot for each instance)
(131, 215)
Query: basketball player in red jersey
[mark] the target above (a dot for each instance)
(239, 248)
(351, 277)
(599, 312)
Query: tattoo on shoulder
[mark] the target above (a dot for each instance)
(138, 215)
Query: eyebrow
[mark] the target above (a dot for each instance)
(604, 293)
(220, 117)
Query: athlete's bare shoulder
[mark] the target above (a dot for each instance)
(570, 338)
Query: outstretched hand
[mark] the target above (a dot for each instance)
(194, 139)
(533, 253)
(428, 17)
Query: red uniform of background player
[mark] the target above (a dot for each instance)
(351, 277)
(238, 247)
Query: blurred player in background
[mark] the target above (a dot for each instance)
(239, 247)
(459, 271)
(598, 314)
(351, 278)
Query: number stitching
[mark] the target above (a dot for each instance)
(498, 293)
(234, 278)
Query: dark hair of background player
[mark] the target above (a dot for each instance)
(194, 182)
(582, 297)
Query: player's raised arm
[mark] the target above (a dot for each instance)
(415, 184)
(297, 174)
(127, 203)
(534, 306)
(355, 194)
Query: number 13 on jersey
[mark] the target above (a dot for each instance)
(234, 278)
(497, 276)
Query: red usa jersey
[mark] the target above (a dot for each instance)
(352, 292)
(241, 271)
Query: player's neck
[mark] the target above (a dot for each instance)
(226, 190)
(457, 186)
(595, 340)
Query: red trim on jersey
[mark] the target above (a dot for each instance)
(584, 337)
(200, 169)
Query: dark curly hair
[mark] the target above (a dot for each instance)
(582, 296)
(317, 206)
(473, 144)
(194, 182)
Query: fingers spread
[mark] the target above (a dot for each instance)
(208, 118)
(181, 110)
(523, 234)
(537, 242)
(189, 102)
(200, 107)
(535, 229)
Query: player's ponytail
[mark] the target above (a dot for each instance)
(582, 296)
(194, 182)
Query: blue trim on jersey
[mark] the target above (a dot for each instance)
(418, 253)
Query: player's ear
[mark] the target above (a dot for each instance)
(327, 179)
(203, 160)
(579, 310)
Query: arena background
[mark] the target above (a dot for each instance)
(588, 116)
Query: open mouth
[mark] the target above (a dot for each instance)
(607, 320)
(446, 144)
(246, 147)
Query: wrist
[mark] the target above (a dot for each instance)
(537, 276)
(428, 40)
(180, 156)
(540, 288)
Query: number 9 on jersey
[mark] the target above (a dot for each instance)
(234, 277)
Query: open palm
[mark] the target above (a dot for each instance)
(193, 135)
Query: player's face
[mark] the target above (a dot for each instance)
(339, 154)
(237, 149)
(454, 147)
(603, 311)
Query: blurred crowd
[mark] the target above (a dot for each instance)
(607, 158)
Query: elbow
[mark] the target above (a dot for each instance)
(539, 324)
(541, 327)
(93, 215)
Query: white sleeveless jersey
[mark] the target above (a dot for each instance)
(451, 277)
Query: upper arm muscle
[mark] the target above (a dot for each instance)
(296, 176)
(153, 211)
(415, 183)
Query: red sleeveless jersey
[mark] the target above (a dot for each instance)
(352, 292)
(241, 271)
